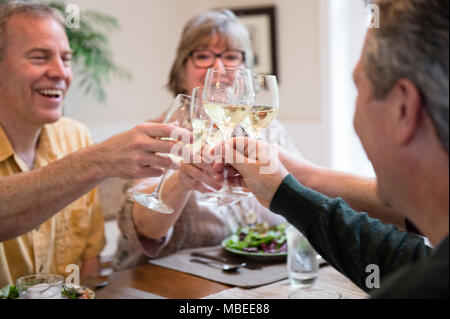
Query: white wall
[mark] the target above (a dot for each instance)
(346, 29)
(146, 45)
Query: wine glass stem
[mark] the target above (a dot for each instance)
(226, 187)
(157, 192)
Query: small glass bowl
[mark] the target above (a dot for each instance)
(40, 286)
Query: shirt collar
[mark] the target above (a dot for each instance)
(6, 149)
(47, 148)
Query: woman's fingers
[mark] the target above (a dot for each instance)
(200, 176)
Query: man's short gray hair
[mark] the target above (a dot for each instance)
(412, 43)
(24, 8)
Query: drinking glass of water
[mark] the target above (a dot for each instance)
(302, 263)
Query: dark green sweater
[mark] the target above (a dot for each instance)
(350, 241)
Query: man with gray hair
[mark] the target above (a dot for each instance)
(49, 209)
(401, 118)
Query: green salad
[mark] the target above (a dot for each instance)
(259, 238)
(9, 292)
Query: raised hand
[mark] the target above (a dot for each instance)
(257, 163)
(133, 154)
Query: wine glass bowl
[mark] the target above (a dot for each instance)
(202, 125)
(206, 133)
(227, 98)
(265, 107)
(264, 110)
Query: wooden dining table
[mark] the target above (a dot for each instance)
(154, 282)
(161, 282)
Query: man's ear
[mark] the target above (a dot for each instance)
(407, 110)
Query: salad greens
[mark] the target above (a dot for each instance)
(69, 294)
(9, 292)
(259, 238)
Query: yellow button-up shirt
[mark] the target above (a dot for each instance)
(72, 235)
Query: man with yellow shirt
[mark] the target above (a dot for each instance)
(49, 210)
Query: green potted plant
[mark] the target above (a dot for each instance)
(92, 58)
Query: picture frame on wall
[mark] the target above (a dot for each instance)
(261, 23)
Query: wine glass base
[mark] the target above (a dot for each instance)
(239, 191)
(218, 199)
(315, 293)
(152, 203)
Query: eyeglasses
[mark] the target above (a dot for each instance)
(205, 58)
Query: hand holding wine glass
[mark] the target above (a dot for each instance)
(197, 172)
(178, 113)
(256, 166)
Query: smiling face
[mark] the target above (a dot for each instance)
(35, 71)
(194, 76)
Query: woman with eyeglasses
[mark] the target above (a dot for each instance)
(211, 40)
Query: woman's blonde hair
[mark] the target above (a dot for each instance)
(200, 31)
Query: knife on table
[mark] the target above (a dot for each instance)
(224, 260)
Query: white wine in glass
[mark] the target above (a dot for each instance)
(205, 133)
(227, 117)
(259, 118)
(228, 97)
(264, 111)
(265, 107)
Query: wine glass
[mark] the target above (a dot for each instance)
(203, 127)
(264, 111)
(206, 135)
(227, 98)
(265, 107)
(178, 114)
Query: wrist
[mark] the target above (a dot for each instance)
(182, 185)
(92, 164)
(306, 173)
